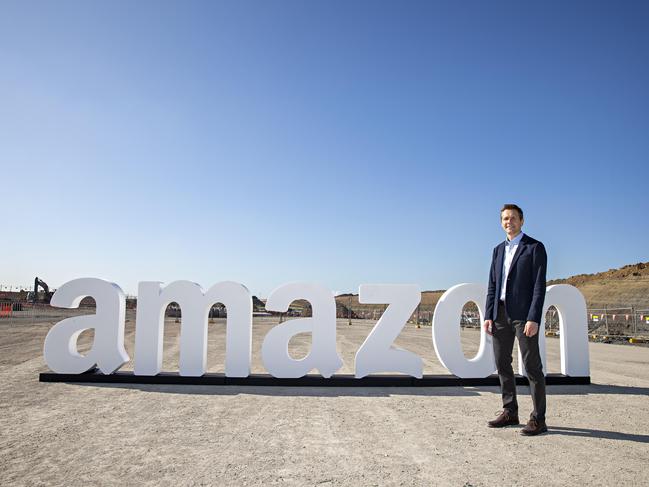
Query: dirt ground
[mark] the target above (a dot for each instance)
(105, 434)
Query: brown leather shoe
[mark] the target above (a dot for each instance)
(534, 427)
(505, 419)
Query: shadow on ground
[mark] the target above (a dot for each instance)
(293, 391)
(591, 433)
(596, 389)
(222, 390)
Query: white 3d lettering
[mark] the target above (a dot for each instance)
(376, 355)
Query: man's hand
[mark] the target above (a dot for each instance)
(487, 326)
(531, 328)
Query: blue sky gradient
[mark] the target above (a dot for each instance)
(338, 142)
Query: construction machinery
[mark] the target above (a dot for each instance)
(43, 297)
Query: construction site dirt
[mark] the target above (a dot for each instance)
(106, 434)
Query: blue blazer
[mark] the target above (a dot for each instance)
(525, 292)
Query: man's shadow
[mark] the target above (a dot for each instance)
(582, 390)
(593, 389)
(592, 433)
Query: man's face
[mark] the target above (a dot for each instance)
(511, 222)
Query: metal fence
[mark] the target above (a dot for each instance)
(628, 322)
(25, 313)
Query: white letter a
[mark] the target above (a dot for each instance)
(107, 353)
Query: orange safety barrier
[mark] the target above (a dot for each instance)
(5, 309)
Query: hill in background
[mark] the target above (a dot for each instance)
(623, 287)
(616, 288)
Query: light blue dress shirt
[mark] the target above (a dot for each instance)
(510, 250)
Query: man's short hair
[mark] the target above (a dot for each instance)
(511, 206)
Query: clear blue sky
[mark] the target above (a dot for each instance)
(338, 142)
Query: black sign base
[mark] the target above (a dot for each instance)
(341, 380)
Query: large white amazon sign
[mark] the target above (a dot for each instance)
(376, 355)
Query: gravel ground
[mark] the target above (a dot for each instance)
(104, 434)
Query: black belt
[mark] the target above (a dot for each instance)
(500, 301)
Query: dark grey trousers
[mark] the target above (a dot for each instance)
(504, 331)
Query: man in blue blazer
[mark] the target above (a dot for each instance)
(514, 305)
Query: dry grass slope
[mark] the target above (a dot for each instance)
(626, 286)
(623, 287)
